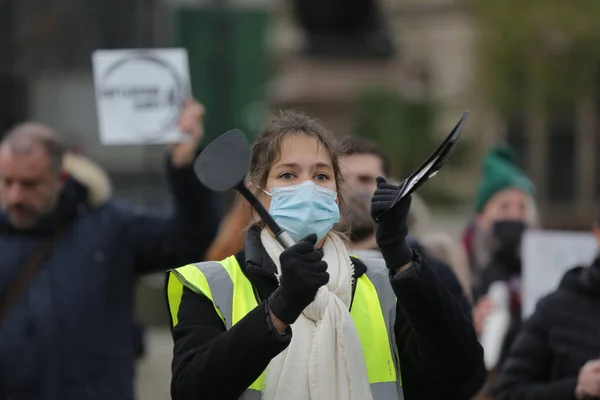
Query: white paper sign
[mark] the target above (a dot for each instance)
(546, 256)
(140, 94)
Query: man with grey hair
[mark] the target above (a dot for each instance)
(31, 155)
(70, 258)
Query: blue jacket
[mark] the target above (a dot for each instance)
(70, 334)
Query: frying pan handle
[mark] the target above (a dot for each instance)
(282, 236)
(285, 240)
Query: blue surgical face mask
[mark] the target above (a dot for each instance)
(304, 209)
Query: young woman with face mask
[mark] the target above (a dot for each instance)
(312, 322)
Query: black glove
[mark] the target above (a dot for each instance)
(392, 230)
(303, 272)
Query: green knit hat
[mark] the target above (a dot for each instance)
(500, 172)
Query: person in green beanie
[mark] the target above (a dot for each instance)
(502, 176)
(505, 208)
(505, 198)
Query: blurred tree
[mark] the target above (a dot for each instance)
(537, 53)
(402, 127)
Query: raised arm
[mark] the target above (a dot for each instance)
(438, 347)
(162, 241)
(437, 343)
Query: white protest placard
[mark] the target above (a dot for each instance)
(546, 256)
(140, 94)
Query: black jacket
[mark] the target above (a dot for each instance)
(70, 334)
(447, 277)
(560, 337)
(440, 357)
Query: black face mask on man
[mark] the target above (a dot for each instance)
(508, 236)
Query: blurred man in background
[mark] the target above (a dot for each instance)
(557, 353)
(70, 255)
(362, 162)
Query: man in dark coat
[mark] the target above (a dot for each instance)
(67, 331)
(556, 355)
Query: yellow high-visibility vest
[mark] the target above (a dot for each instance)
(373, 311)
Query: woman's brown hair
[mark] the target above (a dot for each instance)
(265, 151)
(267, 148)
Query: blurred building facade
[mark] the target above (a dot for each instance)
(437, 56)
(434, 58)
(560, 151)
(245, 59)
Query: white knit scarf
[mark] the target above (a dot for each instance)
(324, 360)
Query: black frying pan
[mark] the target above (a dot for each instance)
(223, 165)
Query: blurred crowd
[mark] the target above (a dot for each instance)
(72, 254)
